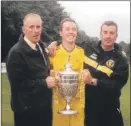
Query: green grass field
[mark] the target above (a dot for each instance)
(7, 115)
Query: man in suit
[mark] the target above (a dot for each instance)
(28, 73)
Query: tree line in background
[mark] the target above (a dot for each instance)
(13, 12)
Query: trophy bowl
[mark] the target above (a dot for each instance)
(68, 87)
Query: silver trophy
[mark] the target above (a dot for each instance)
(68, 87)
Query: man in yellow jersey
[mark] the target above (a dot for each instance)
(68, 52)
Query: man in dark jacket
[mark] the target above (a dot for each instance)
(28, 73)
(109, 71)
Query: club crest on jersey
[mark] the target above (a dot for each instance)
(93, 56)
(110, 63)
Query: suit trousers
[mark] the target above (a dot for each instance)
(33, 118)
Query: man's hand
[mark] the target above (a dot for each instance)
(86, 76)
(52, 49)
(51, 82)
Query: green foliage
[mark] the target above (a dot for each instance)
(13, 13)
(51, 12)
(82, 36)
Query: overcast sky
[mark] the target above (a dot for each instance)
(89, 16)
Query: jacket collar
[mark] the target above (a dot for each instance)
(26, 47)
(96, 47)
(31, 44)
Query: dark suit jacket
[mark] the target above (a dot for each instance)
(27, 72)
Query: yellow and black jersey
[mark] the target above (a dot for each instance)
(76, 58)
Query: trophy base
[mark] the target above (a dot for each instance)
(67, 112)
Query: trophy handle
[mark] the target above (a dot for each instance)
(55, 90)
(81, 90)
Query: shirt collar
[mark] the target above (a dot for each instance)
(31, 44)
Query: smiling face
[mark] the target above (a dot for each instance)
(108, 36)
(68, 31)
(32, 28)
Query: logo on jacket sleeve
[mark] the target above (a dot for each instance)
(93, 56)
(110, 63)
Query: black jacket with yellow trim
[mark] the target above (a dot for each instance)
(111, 70)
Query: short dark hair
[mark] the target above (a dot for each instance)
(65, 20)
(110, 23)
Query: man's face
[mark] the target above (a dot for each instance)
(32, 28)
(108, 35)
(69, 31)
